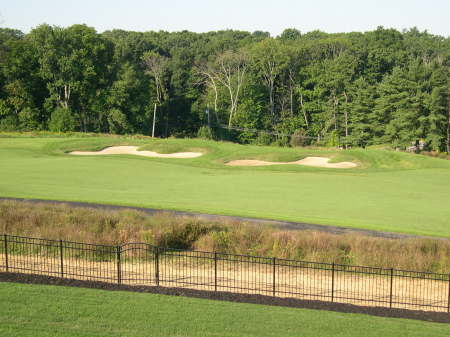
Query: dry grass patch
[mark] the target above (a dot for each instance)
(114, 227)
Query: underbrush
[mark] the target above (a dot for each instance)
(112, 227)
(442, 155)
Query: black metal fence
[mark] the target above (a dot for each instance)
(143, 264)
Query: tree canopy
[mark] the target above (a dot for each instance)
(345, 89)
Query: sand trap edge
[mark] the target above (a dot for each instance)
(308, 161)
(133, 150)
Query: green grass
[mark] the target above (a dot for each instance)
(389, 191)
(38, 310)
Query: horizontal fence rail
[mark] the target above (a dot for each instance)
(144, 264)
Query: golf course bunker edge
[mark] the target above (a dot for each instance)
(308, 161)
(134, 150)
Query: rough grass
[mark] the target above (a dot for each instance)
(389, 191)
(166, 230)
(39, 310)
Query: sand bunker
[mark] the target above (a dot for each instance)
(133, 150)
(308, 161)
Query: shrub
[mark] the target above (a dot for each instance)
(62, 120)
(332, 139)
(8, 123)
(205, 132)
(117, 122)
(282, 141)
(298, 138)
(8, 120)
(28, 119)
(263, 139)
(181, 236)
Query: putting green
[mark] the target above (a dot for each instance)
(388, 190)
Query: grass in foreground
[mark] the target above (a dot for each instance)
(389, 191)
(38, 310)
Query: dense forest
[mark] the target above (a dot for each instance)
(347, 89)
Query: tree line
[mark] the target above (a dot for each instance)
(347, 89)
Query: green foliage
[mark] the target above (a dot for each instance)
(8, 121)
(205, 132)
(28, 119)
(117, 121)
(264, 138)
(332, 140)
(362, 118)
(351, 90)
(298, 138)
(62, 120)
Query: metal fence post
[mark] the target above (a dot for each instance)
(274, 274)
(6, 252)
(215, 271)
(332, 281)
(61, 255)
(391, 288)
(157, 266)
(448, 303)
(119, 272)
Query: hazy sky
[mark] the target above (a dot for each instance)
(250, 15)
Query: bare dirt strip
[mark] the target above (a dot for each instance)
(303, 282)
(286, 225)
(440, 317)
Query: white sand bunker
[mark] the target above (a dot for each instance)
(308, 161)
(133, 150)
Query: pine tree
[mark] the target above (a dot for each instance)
(361, 113)
(397, 109)
(437, 118)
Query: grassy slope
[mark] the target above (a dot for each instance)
(389, 191)
(36, 310)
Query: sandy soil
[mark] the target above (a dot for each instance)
(181, 271)
(308, 161)
(133, 150)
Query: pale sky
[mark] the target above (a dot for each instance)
(249, 15)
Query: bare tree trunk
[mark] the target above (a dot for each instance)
(335, 103)
(167, 123)
(216, 96)
(154, 120)
(291, 100)
(304, 111)
(291, 93)
(231, 68)
(231, 106)
(209, 80)
(66, 98)
(271, 103)
(269, 75)
(448, 127)
(346, 118)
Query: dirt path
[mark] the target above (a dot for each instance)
(287, 225)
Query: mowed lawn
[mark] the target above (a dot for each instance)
(389, 190)
(39, 310)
